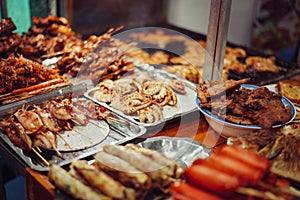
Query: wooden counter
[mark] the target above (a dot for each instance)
(192, 126)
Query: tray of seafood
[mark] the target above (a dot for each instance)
(61, 130)
(148, 97)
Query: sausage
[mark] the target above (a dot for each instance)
(231, 166)
(246, 157)
(211, 179)
(185, 191)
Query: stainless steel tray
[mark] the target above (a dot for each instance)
(116, 135)
(185, 105)
(182, 150)
(114, 132)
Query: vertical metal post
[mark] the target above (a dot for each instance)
(3, 9)
(216, 39)
(52, 7)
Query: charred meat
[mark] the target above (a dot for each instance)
(243, 106)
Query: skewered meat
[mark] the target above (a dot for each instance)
(47, 36)
(29, 120)
(157, 157)
(48, 121)
(60, 110)
(97, 58)
(41, 124)
(18, 136)
(46, 140)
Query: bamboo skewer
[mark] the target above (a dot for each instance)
(118, 121)
(257, 193)
(64, 140)
(39, 150)
(53, 145)
(41, 157)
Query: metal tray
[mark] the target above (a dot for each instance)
(287, 69)
(114, 132)
(182, 150)
(185, 102)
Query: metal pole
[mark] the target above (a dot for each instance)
(52, 7)
(216, 39)
(3, 9)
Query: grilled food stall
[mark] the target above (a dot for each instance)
(132, 108)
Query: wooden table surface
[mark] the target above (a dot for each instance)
(192, 126)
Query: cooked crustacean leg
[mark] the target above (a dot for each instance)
(177, 86)
(104, 93)
(126, 87)
(160, 93)
(131, 103)
(151, 114)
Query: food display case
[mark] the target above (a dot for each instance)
(107, 100)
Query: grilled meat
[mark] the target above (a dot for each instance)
(19, 72)
(243, 106)
(9, 41)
